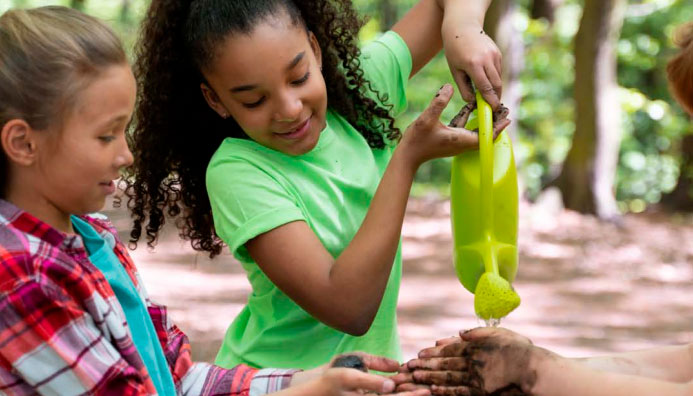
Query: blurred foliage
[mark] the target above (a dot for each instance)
(652, 124)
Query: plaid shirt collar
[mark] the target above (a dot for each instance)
(27, 223)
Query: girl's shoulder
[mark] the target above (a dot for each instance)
(34, 253)
(387, 63)
(239, 159)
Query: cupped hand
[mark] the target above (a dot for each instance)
(483, 360)
(350, 382)
(329, 380)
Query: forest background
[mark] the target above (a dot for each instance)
(605, 158)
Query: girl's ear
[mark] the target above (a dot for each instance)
(315, 46)
(18, 141)
(213, 100)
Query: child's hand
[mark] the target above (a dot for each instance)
(331, 380)
(427, 138)
(472, 56)
(344, 381)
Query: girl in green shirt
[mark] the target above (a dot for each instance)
(267, 129)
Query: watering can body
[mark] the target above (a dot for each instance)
(484, 225)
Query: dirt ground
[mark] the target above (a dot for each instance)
(587, 287)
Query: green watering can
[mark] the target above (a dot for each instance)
(484, 213)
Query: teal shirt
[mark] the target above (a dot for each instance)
(140, 323)
(254, 189)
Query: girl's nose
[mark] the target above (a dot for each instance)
(289, 109)
(125, 158)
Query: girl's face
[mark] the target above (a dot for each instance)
(270, 82)
(78, 162)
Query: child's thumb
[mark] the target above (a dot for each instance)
(439, 103)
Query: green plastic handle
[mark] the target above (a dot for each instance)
(485, 119)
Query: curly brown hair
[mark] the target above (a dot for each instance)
(176, 132)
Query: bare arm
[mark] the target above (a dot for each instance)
(568, 377)
(420, 30)
(672, 363)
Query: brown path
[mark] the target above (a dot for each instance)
(587, 287)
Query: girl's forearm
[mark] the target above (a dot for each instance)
(672, 363)
(567, 377)
(365, 264)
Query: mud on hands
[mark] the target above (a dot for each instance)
(488, 361)
(500, 118)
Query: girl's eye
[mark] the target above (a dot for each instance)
(254, 104)
(107, 138)
(302, 79)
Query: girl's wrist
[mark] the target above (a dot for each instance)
(405, 159)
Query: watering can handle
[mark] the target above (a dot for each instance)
(485, 117)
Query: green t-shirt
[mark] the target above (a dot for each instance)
(254, 189)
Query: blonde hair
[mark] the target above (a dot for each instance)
(47, 56)
(680, 67)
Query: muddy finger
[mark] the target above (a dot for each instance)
(499, 127)
(417, 392)
(443, 378)
(460, 120)
(456, 391)
(449, 340)
(438, 364)
(449, 350)
(408, 387)
(501, 113)
(402, 378)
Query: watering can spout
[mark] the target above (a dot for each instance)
(484, 214)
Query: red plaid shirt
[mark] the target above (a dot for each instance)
(63, 332)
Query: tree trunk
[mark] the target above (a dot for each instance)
(587, 178)
(545, 9)
(77, 4)
(388, 14)
(682, 196)
(499, 26)
(125, 11)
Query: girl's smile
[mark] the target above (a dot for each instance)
(297, 132)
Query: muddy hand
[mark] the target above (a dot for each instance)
(489, 359)
(500, 118)
(427, 138)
